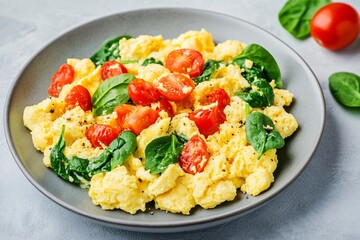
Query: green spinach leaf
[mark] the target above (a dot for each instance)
(208, 69)
(151, 61)
(296, 15)
(115, 154)
(261, 133)
(161, 152)
(182, 138)
(109, 50)
(345, 87)
(97, 163)
(252, 73)
(58, 160)
(111, 93)
(122, 153)
(261, 97)
(261, 57)
(79, 170)
(73, 169)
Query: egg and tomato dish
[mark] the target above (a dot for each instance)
(180, 122)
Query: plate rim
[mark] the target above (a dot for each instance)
(156, 226)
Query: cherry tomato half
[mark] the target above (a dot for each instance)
(164, 105)
(186, 61)
(123, 111)
(64, 75)
(136, 118)
(194, 156)
(175, 87)
(221, 97)
(335, 26)
(101, 134)
(78, 96)
(143, 92)
(208, 120)
(142, 118)
(112, 68)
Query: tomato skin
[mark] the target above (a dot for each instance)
(78, 96)
(64, 75)
(143, 92)
(186, 61)
(164, 105)
(208, 120)
(123, 111)
(142, 118)
(135, 118)
(335, 26)
(220, 96)
(194, 156)
(175, 87)
(101, 134)
(112, 68)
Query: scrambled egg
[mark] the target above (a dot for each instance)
(233, 165)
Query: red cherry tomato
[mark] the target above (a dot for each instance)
(186, 61)
(221, 97)
(194, 156)
(64, 75)
(136, 118)
(123, 111)
(143, 92)
(142, 118)
(164, 105)
(335, 26)
(112, 68)
(101, 134)
(208, 120)
(175, 87)
(78, 96)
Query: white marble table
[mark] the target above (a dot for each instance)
(324, 202)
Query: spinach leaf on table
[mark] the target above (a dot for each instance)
(345, 87)
(163, 151)
(261, 133)
(296, 15)
(79, 170)
(109, 50)
(111, 93)
(263, 97)
(261, 57)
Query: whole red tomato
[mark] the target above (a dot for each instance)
(335, 26)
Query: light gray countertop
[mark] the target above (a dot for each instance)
(323, 203)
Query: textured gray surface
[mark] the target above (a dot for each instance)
(322, 203)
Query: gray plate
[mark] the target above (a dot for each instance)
(31, 85)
